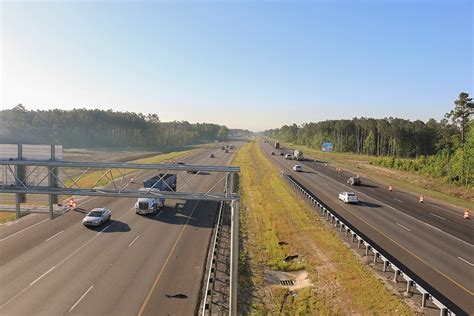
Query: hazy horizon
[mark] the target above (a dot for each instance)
(249, 65)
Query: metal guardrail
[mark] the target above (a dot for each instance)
(446, 306)
(208, 294)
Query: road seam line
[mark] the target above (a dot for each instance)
(398, 200)
(80, 298)
(44, 220)
(54, 235)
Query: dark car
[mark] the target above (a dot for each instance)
(282, 154)
(353, 181)
(273, 153)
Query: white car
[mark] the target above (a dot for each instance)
(97, 217)
(288, 156)
(297, 168)
(348, 197)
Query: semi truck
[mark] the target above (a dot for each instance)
(298, 155)
(277, 145)
(155, 184)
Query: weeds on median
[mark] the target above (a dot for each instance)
(272, 213)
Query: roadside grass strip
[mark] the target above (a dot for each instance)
(276, 223)
(6, 217)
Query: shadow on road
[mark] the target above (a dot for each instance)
(114, 227)
(368, 204)
(368, 186)
(203, 215)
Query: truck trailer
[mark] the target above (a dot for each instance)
(277, 145)
(298, 155)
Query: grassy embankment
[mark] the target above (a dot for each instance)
(410, 181)
(89, 179)
(271, 212)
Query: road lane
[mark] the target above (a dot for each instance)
(120, 275)
(431, 253)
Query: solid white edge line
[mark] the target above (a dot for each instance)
(403, 227)
(54, 235)
(41, 276)
(80, 298)
(471, 264)
(44, 220)
(133, 241)
(398, 200)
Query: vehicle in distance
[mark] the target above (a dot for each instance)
(226, 151)
(273, 153)
(353, 181)
(160, 182)
(222, 148)
(180, 163)
(297, 168)
(348, 197)
(298, 155)
(288, 156)
(277, 145)
(282, 154)
(97, 217)
(211, 156)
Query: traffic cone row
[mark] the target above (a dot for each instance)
(466, 214)
(338, 169)
(390, 188)
(422, 198)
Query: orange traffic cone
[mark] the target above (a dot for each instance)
(466, 214)
(74, 205)
(390, 188)
(71, 202)
(422, 199)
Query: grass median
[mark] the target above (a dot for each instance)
(275, 223)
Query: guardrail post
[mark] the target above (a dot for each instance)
(424, 297)
(396, 273)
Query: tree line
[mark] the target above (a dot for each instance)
(442, 149)
(98, 128)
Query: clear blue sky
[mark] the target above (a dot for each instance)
(246, 64)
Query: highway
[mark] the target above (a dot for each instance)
(132, 265)
(432, 239)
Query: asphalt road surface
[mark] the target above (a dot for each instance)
(150, 265)
(432, 239)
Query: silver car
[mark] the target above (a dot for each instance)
(97, 217)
